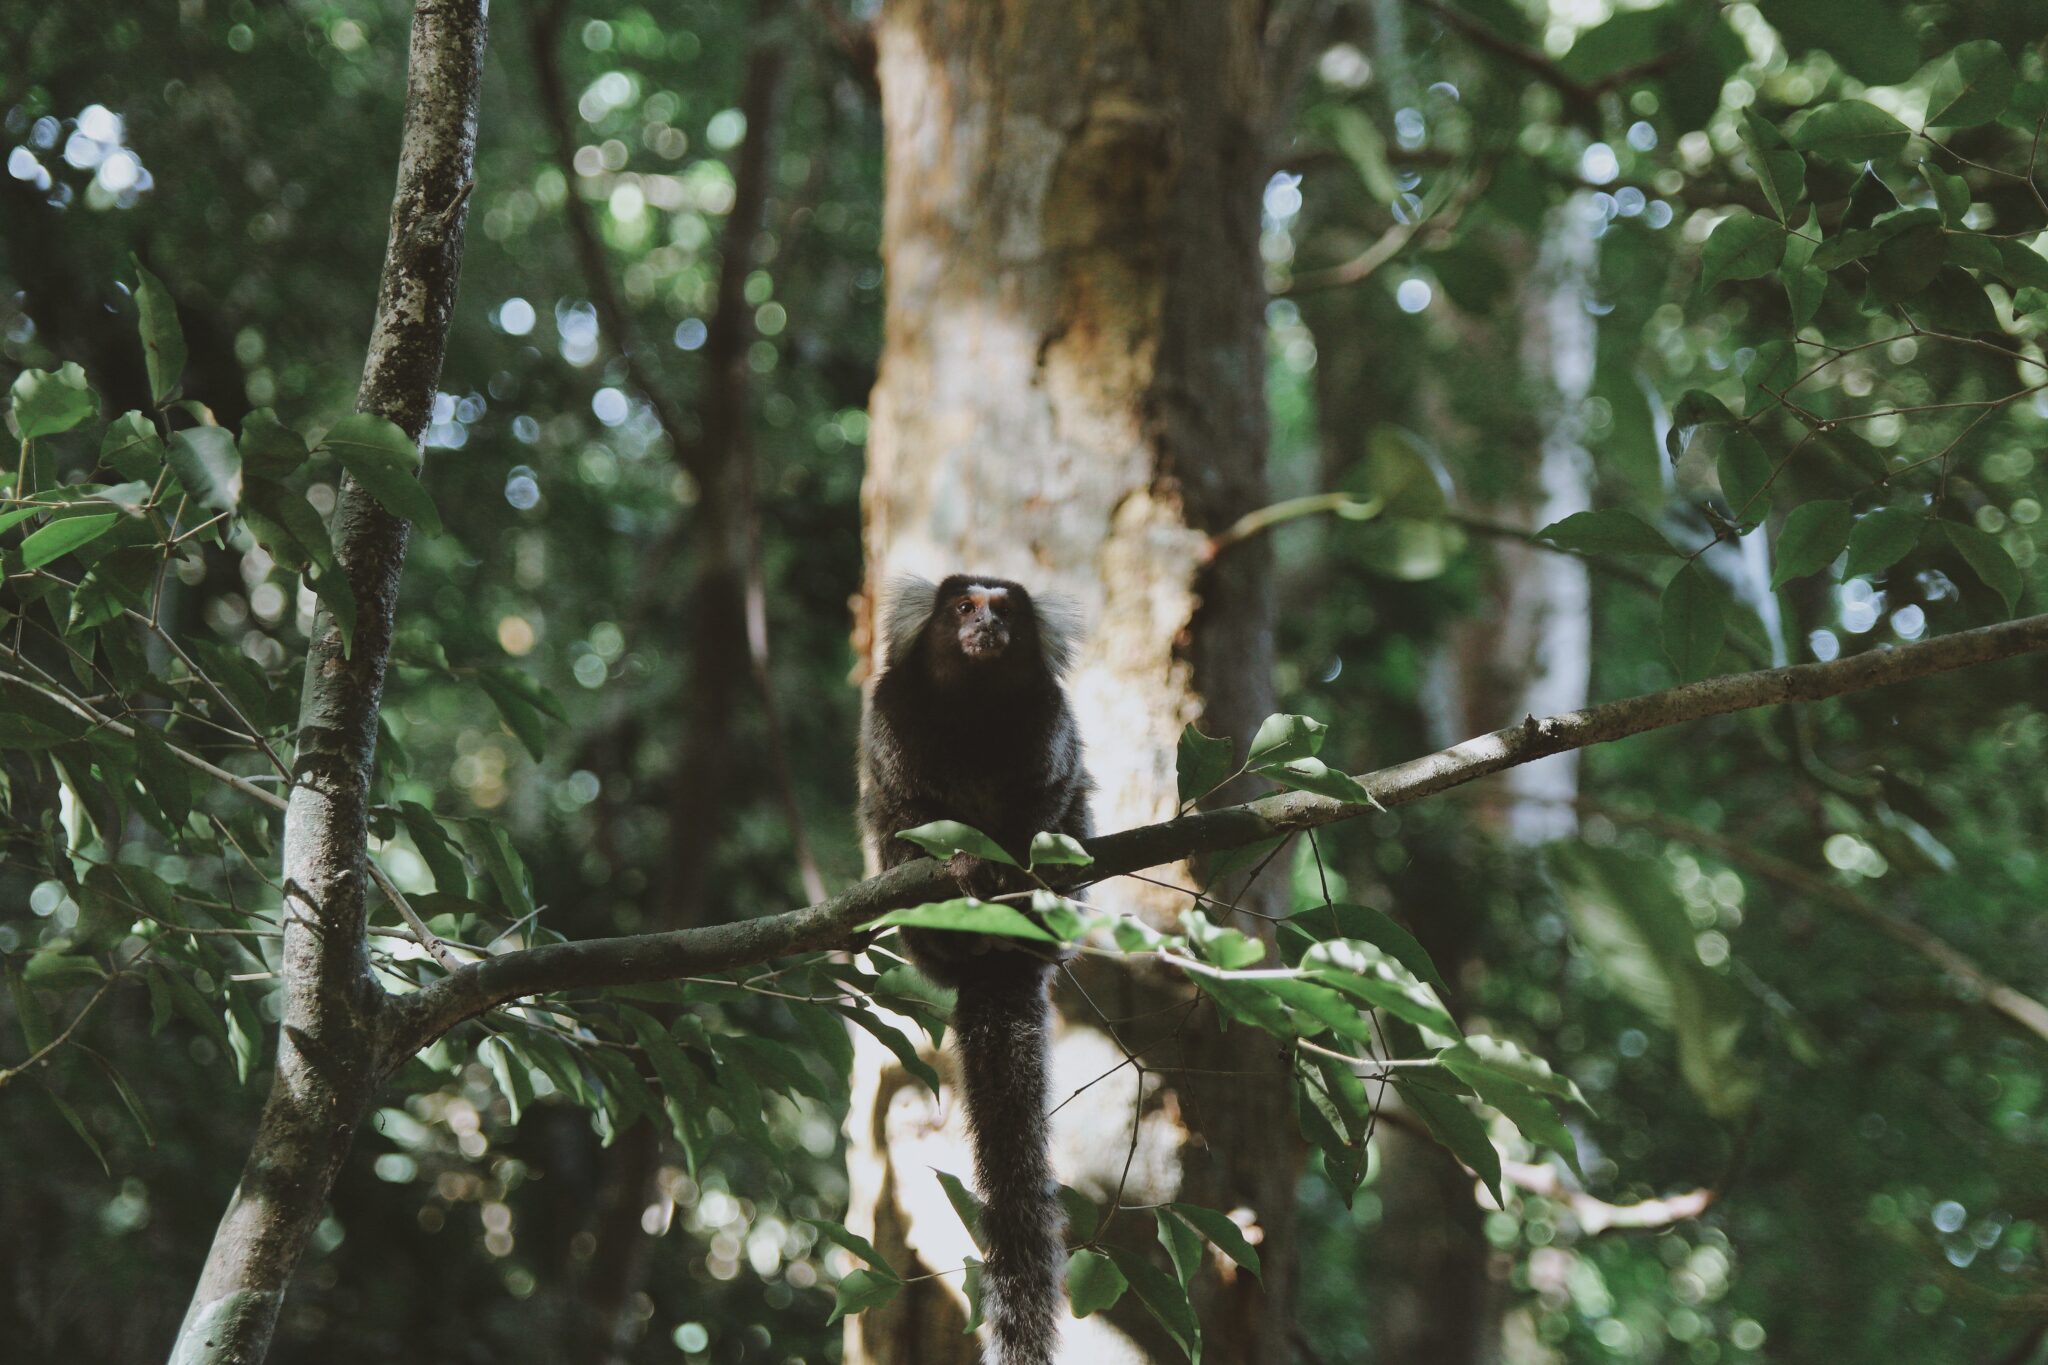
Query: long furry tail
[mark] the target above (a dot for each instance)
(1003, 1022)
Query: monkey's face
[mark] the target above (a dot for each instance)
(981, 617)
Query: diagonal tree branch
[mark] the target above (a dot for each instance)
(427, 1014)
(2017, 1006)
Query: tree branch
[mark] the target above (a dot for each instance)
(2017, 1006)
(432, 1011)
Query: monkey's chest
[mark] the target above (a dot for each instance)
(988, 786)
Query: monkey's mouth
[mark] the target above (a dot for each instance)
(983, 644)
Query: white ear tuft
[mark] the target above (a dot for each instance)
(906, 606)
(1059, 630)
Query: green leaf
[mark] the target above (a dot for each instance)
(974, 1284)
(130, 497)
(28, 1011)
(1951, 193)
(386, 462)
(1814, 533)
(838, 1234)
(1770, 374)
(1058, 914)
(1908, 262)
(966, 1206)
(1222, 1233)
(1323, 1122)
(270, 449)
(163, 344)
(861, 1289)
(944, 838)
(2023, 265)
(1975, 251)
(1248, 1003)
(1219, 943)
(1183, 1245)
(1801, 243)
(1050, 849)
(966, 916)
(1201, 764)
(132, 448)
(1456, 1128)
(1165, 1300)
(1378, 978)
(1529, 1112)
(1852, 131)
(1401, 473)
(1987, 559)
(286, 525)
(1480, 1055)
(1314, 775)
(1322, 922)
(523, 703)
(1742, 247)
(1760, 135)
(77, 1125)
(1746, 477)
(895, 1040)
(1695, 408)
(1882, 539)
(130, 1101)
(491, 847)
(1630, 919)
(47, 402)
(59, 964)
(1783, 177)
(1692, 620)
(1609, 531)
(1510, 1081)
(1953, 302)
(1093, 1282)
(1874, 42)
(1315, 1008)
(61, 537)
(208, 465)
(513, 1080)
(1972, 85)
(1839, 250)
(1284, 738)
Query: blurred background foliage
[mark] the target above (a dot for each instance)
(1875, 1140)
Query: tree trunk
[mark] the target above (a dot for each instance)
(1071, 395)
(330, 1054)
(1529, 654)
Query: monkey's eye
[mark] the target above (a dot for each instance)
(965, 608)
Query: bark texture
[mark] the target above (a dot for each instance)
(330, 1053)
(1071, 395)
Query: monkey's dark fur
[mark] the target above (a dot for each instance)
(968, 721)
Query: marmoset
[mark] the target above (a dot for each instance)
(968, 721)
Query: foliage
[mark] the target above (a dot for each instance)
(1814, 405)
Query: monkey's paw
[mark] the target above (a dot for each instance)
(976, 877)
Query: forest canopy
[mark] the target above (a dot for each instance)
(1553, 489)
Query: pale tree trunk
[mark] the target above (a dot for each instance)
(1071, 395)
(1530, 653)
(330, 1053)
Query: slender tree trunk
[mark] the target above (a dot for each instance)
(1529, 653)
(720, 645)
(1072, 395)
(330, 1055)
